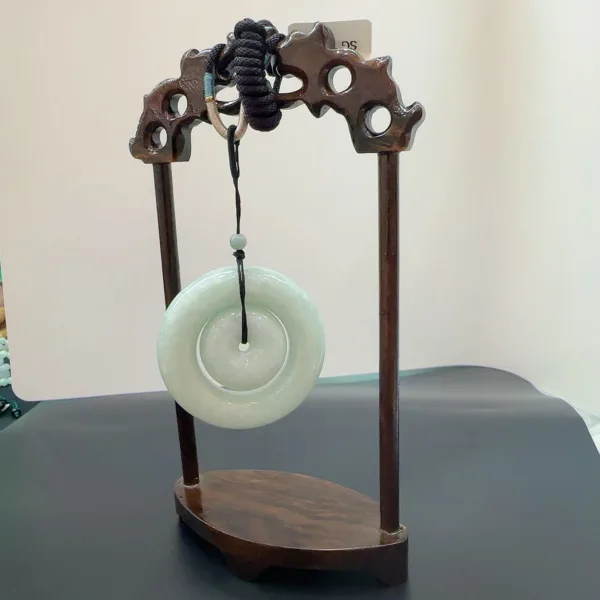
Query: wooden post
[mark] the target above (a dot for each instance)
(167, 231)
(389, 478)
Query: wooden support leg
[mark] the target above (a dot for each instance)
(248, 569)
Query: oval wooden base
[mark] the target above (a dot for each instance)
(262, 519)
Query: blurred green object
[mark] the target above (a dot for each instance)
(10, 407)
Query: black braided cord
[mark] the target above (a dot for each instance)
(233, 147)
(249, 59)
(251, 55)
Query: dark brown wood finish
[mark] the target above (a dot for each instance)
(262, 519)
(313, 58)
(310, 57)
(167, 233)
(389, 478)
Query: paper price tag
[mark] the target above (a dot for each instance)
(353, 35)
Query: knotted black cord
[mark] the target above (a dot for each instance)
(219, 60)
(250, 57)
(233, 146)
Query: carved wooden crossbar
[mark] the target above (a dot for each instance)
(310, 57)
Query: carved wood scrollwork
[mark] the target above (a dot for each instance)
(164, 135)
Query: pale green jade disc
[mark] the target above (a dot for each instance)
(218, 381)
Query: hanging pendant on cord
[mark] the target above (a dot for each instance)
(226, 375)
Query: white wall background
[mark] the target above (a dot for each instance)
(500, 219)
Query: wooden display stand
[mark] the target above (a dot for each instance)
(260, 519)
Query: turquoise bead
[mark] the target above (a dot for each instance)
(209, 85)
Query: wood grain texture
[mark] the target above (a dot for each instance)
(313, 57)
(169, 254)
(310, 57)
(261, 519)
(389, 443)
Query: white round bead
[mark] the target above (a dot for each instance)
(238, 241)
(211, 377)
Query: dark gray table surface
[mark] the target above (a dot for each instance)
(500, 492)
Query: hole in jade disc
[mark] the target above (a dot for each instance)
(244, 347)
